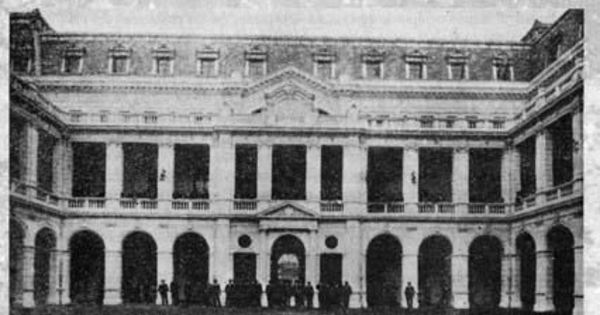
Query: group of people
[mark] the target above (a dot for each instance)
(335, 294)
(188, 293)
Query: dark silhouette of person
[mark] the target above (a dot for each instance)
(309, 293)
(409, 293)
(346, 293)
(163, 290)
(298, 290)
(174, 293)
(214, 293)
(228, 293)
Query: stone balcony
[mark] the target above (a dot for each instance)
(339, 209)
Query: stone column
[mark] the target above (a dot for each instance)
(264, 172)
(543, 163)
(64, 281)
(515, 174)
(31, 167)
(351, 261)
(112, 277)
(460, 178)
(577, 126)
(312, 261)
(222, 173)
(166, 174)
(410, 178)
(54, 273)
(543, 283)
(410, 272)
(58, 161)
(313, 174)
(506, 174)
(578, 289)
(506, 275)
(28, 275)
(460, 280)
(223, 270)
(164, 267)
(114, 173)
(354, 184)
(262, 264)
(516, 282)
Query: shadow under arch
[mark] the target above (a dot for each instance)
(44, 259)
(526, 253)
(190, 267)
(86, 268)
(560, 242)
(138, 281)
(384, 271)
(435, 271)
(485, 272)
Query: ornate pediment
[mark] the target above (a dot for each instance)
(289, 92)
(287, 211)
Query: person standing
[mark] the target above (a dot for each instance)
(228, 293)
(215, 292)
(309, 293)
(174, 293)
(347, 292)
(163, 289)
(409, 293)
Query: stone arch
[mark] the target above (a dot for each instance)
(384, 270)
(526, 266)
(288, 259)
(16, 244)
(44, 265)
(485, 272)
(435, 271)
(86, 267)
(560, 241)
(139, 261)
(190, 266)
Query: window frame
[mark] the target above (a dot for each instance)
(416, 57)
(503, 61)
(324, 56)
(73, 52)
(207, 55)
(119, 52)
(163, 52)
(370, 58)
(258, 55)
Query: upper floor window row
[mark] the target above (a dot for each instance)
(324, 62)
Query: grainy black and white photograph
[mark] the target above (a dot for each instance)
(295, 157)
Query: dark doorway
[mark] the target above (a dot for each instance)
(140, 162)
(87, 268)
(484, 175)
(485, 261)
(562, 150)
(560, 242)
(331, 268)
(89, 169)
(246, 159)
(289, 172)
(527, 167)
(244, 267)
(527, 268)
(331, 172)
(384, 271)
(190, 266)
(138, 279)
(191, 171)
(17, 236)
(435, 276)
(384, 175)
(45, 243)
(288, 259)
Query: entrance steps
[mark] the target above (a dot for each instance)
(198, 310)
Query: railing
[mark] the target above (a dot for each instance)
(87, 203)
(245, 204)
(195, 204)
(442, 208)
(385, 207)
(551, 195)
(488, 208)
(331, 206)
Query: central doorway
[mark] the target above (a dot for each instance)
(288, 259)
(384, 271)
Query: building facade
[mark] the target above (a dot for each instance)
(456, 166)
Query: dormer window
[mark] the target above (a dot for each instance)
(372, 65)
(207, 64)
(554, 48)
(458, 68)
(164, 58)
(20, 64)
(73, 60)
(256, 62)
(472, 122)
(324, 64)
(427, 122)
(416, 65)
(503, 69)
(119, 60)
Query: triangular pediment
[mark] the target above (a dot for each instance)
(289, 75)
(287, 211)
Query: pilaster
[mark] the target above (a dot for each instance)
(543, 161)
(166, 174)
(313, 173)
(410, 178)
(577, 126)
(351, 261)
(221, 173)
(507, 173)
(31, 167)
(460, 178)
(543, 285)
(164, 267)
(354, 185)
(54, 274)
(114, 173)
(506, 274)
(223, 263)
(264, 171)
(64, 282)
(460, 280)
(28, 276)
(112, 277)
(58, 165)
(578, 289)
(410, 272)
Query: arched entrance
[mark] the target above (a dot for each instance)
(435, 276)
(45, 243)
(288, 259)
(87, 268)
(384, 271)
(138, 280)
(560, 243)
(527, 270)
(190, 266)
(485, 262)
(17, 236)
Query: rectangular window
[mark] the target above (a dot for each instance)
(192, 163)
(373, 69)
(104, 116)
(554, 49)
(427, 122)
(503, 72)
(89, 164)
(324, 69)
(140, 170)
(207, 68)
(163, 66)
(498, 124)
(384, 175)
(119, 64)
(246, 159)
(415, 70)
(75, 115)
(289, 172)
(472, 124)
(256, 68)
(72, 64)
(450, 123)
(21, 64)
(150, 118)
(458, 71)
(331, 172)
